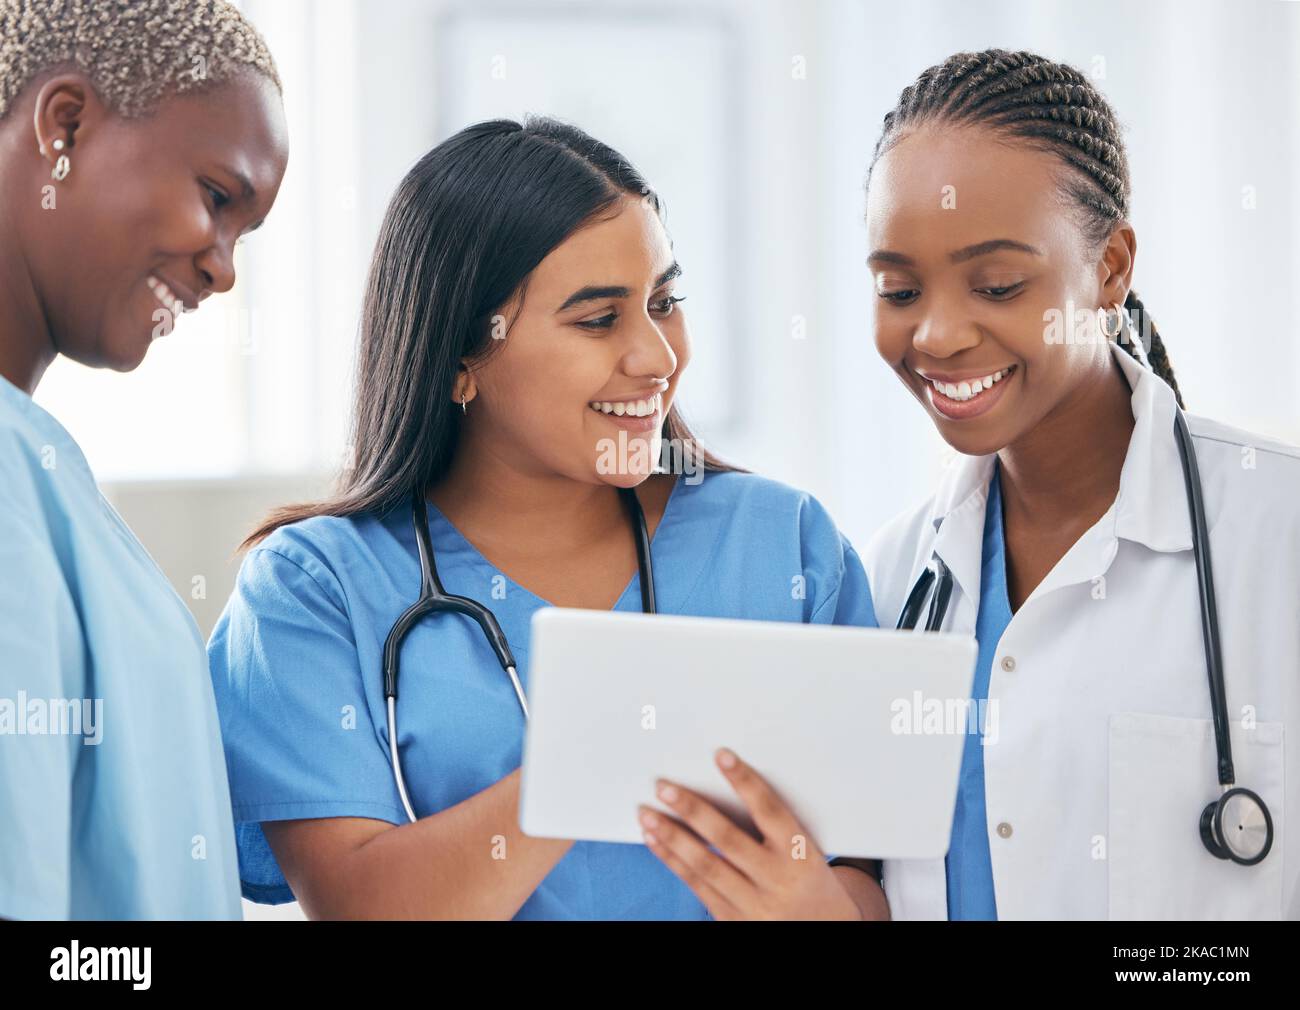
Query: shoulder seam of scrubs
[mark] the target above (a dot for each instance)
(302, 568)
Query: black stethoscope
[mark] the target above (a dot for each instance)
(1237, 825)
(434, 600)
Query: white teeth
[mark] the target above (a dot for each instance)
(164, 295)
(970, 388)
(629, 408)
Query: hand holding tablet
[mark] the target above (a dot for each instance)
(620, 701)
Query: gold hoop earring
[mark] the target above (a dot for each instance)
(63, 165)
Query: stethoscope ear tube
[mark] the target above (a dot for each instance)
(393, 643)
(435, 599)
(644, 565)
(911, 611)
(935, 572)
(942, 594)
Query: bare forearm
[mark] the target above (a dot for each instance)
(469, 861)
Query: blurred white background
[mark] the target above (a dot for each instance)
(755, 120)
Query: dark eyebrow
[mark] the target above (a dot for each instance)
(672, 272)
(885, 256)
(960, 255)
(592, 293)
(992, 245)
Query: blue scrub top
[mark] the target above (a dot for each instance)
(113, 795)
(969, 866)
(297, 665)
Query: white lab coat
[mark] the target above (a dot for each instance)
(1105, 753)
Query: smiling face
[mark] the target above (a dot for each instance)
(590, 359)
(968, 279)
(145, 224)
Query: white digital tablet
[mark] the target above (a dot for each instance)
(860, 730)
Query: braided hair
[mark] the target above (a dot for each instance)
(1054, 108)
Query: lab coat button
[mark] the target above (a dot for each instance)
(1009, 664)
(1004, 830)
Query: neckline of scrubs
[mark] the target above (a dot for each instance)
(51, 427)
(62, 442)
(467, 545)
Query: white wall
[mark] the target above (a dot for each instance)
(1209, 93)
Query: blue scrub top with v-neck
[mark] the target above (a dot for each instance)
(969, 865)
(296, 664)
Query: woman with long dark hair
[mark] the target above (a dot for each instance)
(522, 342)
(1003, 254)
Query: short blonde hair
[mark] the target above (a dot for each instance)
(135, 52)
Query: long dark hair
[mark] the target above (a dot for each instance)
(464, 230)
(1053, 107)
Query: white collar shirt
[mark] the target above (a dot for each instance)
(1105, 754)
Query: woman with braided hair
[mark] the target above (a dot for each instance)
(1003, 259)
(138, 141)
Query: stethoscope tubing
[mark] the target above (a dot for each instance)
(435, 599)
(1209, 605)
(1252, 818)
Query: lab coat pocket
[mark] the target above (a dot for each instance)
(1162, 775)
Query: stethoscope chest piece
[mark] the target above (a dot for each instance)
(1237, 826)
